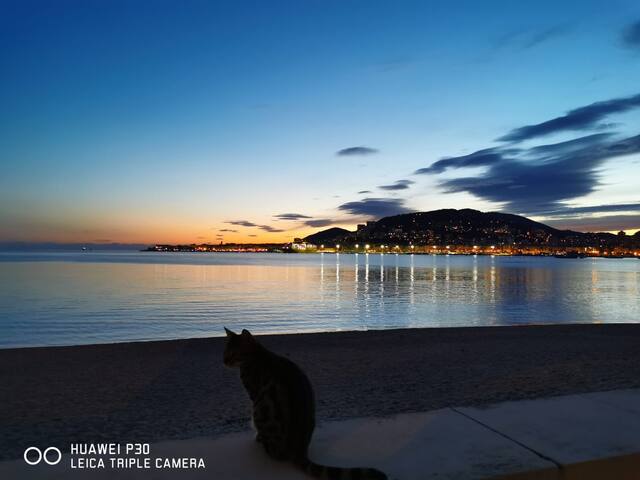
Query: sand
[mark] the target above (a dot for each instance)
(152, 391)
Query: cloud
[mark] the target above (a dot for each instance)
(247, 223)
(582, 118)
(538, 37)
(631, 35)
(597, 224)
(539, 179)
(320, 222)
(270, 229)
(353, 151)
(252, 235)
(480, 158)
(242, 223)
(618, 207)
(291, 216)
(525, 39)
(398, 185)
(231, 230)
(375, 207)
(364, 191)
(493, 156)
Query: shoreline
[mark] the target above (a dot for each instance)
(176, 389)
(262, 335)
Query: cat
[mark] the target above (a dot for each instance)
(283, 406)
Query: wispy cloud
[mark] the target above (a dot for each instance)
(230, 230)
(319, 222)
(480, 158)
(375, 207)
(616, 207)
(270, 229)
(291, 216)
(398, 185)
(631, 35)
(582, 118)
(364, 191)
(356, 151)
(247, 223)
(541, 36)
(597, 224)
(525, 39)
(241, 223)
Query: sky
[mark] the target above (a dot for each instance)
(208, 121)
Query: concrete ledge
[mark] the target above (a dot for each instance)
(594, 436)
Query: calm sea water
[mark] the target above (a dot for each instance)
(82, 298)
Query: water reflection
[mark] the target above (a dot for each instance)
(68, 302)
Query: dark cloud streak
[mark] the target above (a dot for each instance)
(356, 151)
(582, 118)
(620, 207)
(291, 216)
(319, 222)
(398, 185)
(480, 158)
(375, 207)
(242, 223)
(533, 184)
(247, 223)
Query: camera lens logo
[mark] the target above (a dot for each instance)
(51, 456)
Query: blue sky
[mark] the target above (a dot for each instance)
(191, 121)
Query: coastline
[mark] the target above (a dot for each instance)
(162, 390)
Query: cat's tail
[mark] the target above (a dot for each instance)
(338, 473)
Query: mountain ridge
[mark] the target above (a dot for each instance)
(464, 227)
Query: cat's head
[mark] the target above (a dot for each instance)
(239, 348)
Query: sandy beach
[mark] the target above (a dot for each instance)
(152, 391)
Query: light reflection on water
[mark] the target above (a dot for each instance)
(72, 298)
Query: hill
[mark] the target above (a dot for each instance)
(330, 236)
(461, 227)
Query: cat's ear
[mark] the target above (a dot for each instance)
(246, 334)
(229, 332)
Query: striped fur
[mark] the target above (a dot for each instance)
(283, 407)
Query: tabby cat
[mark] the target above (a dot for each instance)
(283, 406)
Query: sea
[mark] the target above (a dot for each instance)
(76, 298)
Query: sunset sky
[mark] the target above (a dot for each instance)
(208, 121)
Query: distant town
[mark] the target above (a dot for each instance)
(444, 232)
